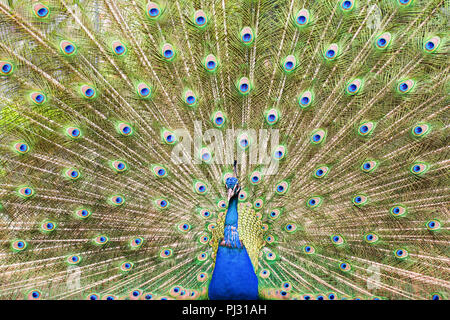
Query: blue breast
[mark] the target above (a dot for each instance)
(233, 276)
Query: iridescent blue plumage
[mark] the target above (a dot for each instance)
(233, 277)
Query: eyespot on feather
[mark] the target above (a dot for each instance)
(190, 98)
(331, 52)
(168, 52)
(347, 5)
(360, 200)
(366, 128)
(200, 187)
(117, 200)
(153, 10)
(398, 210)
(321, 172)
(302, 18)
(25, 192)
(21, 147)
(405, 86)
(19, 245)
(144, 91)
(210, 63)
(432, 44)
(353, 87)
(305, 99)
(73, 132)
(218, 119)
(82, 213)
(282, 187)
(318, 136)
(243, 85)
(41, 11)
(200, 19)
(6, 68)
(383, 41)
(272, 116)
(337, 240)
(38, 98)
(289, 64)
(247, 36)
(314, 202)
(255, 178)
(419, 168)
(119, 48)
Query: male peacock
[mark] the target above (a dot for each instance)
(120, 121)
(234, 277)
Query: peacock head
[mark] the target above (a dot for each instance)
(233, 187)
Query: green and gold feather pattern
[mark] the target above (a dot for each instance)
(98, 96)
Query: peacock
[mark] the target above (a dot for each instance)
(224, 149)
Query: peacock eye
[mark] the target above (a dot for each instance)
(242, 195)
(243, 86)
(433, 225)
(168, 52)
(314, 202)
(404, 2)
(289, 63)
(34, 295)
(126, 266)
(419, 168)
(6, 68)
(48, 226)
(218, 119)
(19, 245)
(302, 18)
(136, 293)
(37, 98)
(200, 187)
(68, 48)
(272, 116)
(290, 228)
(159, 171)
(331, 52)
(88, 91)
(40, 10)
(247, 36)
(124, 129)
(347, 5)
(360, 200)
(117, 200)
(190, 98)
(318, 136)
(369, 166)
(144, 91)
(282, 187)
(337, 240)
(431, 45)
(401, 253)
(436, 296)
(345, 266)
(184, 227)
(93, 296)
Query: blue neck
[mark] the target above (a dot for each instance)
(232, 213)
(231, 233)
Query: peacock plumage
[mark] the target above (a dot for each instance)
(241, 149)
